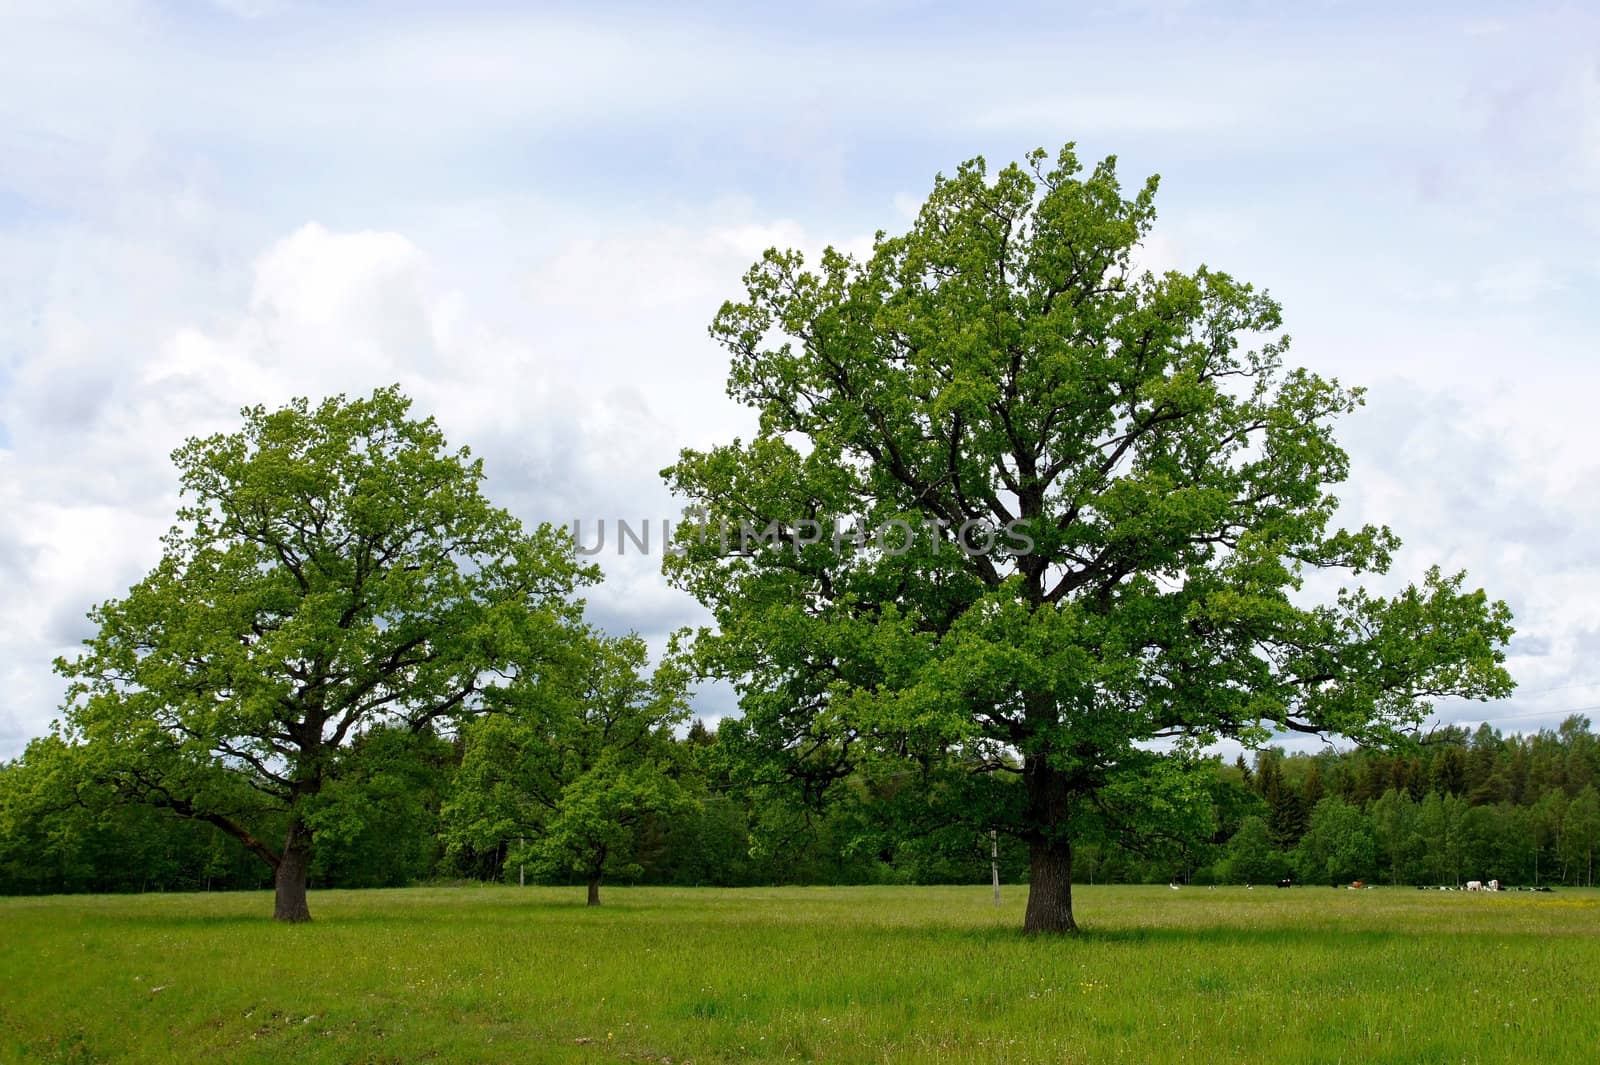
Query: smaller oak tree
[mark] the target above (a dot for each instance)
(333, 570)
(574, 765)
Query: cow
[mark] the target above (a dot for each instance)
(1494, 885)
(1285, 882)
(1474, 885)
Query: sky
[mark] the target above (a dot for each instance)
(527, 215)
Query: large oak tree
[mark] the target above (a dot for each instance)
(1098, 493)
(334, 570)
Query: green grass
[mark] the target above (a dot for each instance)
(825, 974)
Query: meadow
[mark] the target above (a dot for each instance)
(501, 974)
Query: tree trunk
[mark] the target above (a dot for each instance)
(594, 890)
(290, 875)
(1050, 852)
(1049, 888)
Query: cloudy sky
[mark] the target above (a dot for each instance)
(527, 215)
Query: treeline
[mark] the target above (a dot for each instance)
(1467, 806)
(1480, 805)
(724, 836)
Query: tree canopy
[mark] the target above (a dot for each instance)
(1023, 511)
(335, 592)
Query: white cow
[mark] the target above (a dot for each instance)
(1474, 885)
(1494, 885)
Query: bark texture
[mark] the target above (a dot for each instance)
(1050, 851)
(290, 876)
(1049, 888)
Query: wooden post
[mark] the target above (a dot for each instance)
(994, 862)
(522, 870)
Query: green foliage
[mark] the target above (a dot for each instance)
(60, 831)
(1251, 857)
(334, 571)
(1338, 847)
(380, 826)
(1400, 845)
(574, 763)
(59, 835)
(1580, 832)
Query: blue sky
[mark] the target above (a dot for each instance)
(527, 214)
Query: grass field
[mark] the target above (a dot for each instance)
(828, 974)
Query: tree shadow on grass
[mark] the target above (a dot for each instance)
(514, 913)
(1283, 935)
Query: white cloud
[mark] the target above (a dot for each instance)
(573, 418)
(248, 9)
(1464, 482)
(1519, 282)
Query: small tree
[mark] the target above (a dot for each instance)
(1547, 817)
(1394, 830)
(1338, 845)
(574, 765)
(333, 569)
(1580, 832)
(1251, 856)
